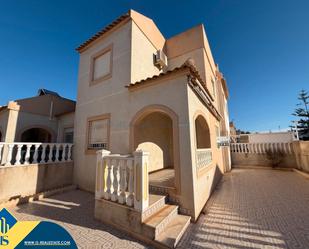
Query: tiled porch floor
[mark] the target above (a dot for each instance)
(162, 178)
(249, 209)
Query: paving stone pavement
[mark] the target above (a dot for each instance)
(254, 208)
(249, 209)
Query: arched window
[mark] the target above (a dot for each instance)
(202, 133)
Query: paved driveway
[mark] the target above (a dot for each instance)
(249, 209)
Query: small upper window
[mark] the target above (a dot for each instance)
(101, 65)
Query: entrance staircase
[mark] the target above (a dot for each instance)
(162, 223)
(122, 199)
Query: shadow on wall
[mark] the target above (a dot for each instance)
(154, 133)
(36, 135)
(216, 179)
(21, 182)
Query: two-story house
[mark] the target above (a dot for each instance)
(138, 90)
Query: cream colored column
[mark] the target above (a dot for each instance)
(101, 173)
(13, 109)
(141, 192)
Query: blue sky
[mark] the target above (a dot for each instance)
(262, 48)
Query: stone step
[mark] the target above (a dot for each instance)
(157, 223)
(174, 231)
(156, 203)
(160, 190)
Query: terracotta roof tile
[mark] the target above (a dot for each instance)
(103, 31)
(189, 64)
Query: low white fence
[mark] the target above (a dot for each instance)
(28, 153)
(204, 157)
(261, 148)
(123, 178)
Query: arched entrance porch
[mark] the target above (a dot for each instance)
(155, 129)
(36, 135)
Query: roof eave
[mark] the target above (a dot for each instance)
(111, 27)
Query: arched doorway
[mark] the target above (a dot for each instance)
(154, 133)
(202, 133)
(34, 135)
(155, 129)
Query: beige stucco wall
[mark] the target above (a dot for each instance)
(96, 100)
(142, 56)
(196, 55)
(46, 105)
(298, 159)
(109, 96)
(204, 179)
(27, 121)
(133, 60)
(64, 121)
(246, 159)
(154, 133)
(301, 151)
(173, 97)
(178, 51)
(35, 178)
(34, 112)
(12, 120)
(3, 123)
(128, 105)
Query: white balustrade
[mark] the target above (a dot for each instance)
(203, 157)
(123, 178)
(261, 148)
(32, 153)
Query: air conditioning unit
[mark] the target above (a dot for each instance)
(160, 59)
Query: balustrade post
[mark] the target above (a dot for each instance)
(1, 151)
(101, 173)
(18, 154)
(50, 154)
(109, 179)
(141, 197)
(123, 182)
(130, 198)
(70, 152)
(36, 153)
(57, 153)
(43, 153)
(65, 152)
(116, 178)
(9, 155)
(27, 156)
